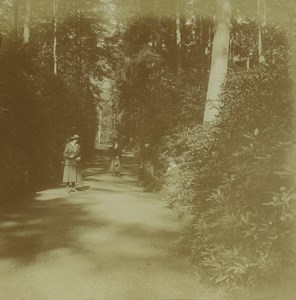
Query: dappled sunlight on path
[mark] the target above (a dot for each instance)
(111, 241)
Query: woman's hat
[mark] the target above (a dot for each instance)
(74, 137)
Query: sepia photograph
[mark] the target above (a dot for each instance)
(147, 149)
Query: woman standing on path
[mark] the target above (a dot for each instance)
(115, 155)
(72, 174)
(147, 164)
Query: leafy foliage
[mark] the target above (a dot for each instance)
(37, 113)
(236, 179)
(238, 182)
(37, 109)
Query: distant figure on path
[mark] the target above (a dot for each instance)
(115, 155)
(147, 164)
(72, 175)
(166, 179)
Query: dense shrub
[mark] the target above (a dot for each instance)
(37, 110)
(237, 179)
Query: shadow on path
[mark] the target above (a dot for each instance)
(110, 242)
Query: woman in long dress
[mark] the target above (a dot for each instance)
(115, 155)
(72, 175)
(147, 164)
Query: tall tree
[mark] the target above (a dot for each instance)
(55, 59)
(26, 36)
(261, 14)
(219, 61)
(178, 34)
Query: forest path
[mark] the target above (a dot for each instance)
(112, 241)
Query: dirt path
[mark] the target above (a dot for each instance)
(112, 241)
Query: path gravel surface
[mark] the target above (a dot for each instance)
(112, 241)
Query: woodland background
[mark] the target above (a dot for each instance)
(210, 84)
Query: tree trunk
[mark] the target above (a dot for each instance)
(26, 36)
(55, 60)
(261, 12)
(178, 35)
(201, 31)
(264, 13)
(219, 61)
(80, 58)
(191, 20)
(15, 17)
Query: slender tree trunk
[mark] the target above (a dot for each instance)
(248, 62)
(219, 61)
(178, 34)
(261, 13)
(201, 31)
(26, 36)
(15, 17)
(191, 19)
(79, 39)
(264, 13)
(259, 29)
(55, 59)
